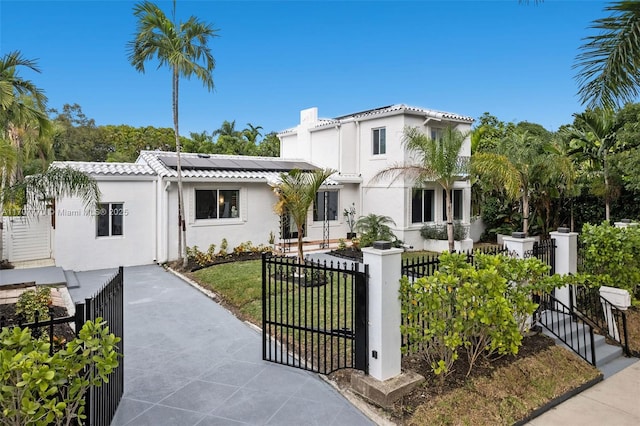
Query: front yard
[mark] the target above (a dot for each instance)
(501, 392)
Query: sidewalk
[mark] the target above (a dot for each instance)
(188, 361)
(614, 401)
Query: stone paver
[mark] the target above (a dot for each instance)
(189, 361)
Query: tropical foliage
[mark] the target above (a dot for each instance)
(434, 160)
(296, 192)
(183, 47)
(373, 227)
(482, 309)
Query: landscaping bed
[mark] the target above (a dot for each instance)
(62, 332)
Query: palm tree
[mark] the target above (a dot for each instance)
(251, 133)
(594, 136)
(609, 60)
(373, 227)
(296, 192)
(21, 103)
(513, 166)
(435, 160)
(183, 48)
(228, 128)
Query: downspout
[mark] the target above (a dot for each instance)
(358, 166)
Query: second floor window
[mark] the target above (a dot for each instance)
(379, 141)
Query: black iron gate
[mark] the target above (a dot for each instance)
(314, 315)
(107, 304)
(545, 250)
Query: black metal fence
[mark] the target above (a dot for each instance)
(545, 250)
(425, 266)
(314, 315)
(601, 314)
(108, 303)
(560, 320)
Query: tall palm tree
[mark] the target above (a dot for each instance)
(435, 160)
(609, 61)
(594, 133)
(296, 192)
(251, 133)
(21, 103)
(228, 128)
(182, 46)
(514, 167)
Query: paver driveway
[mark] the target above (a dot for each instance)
(189, 361)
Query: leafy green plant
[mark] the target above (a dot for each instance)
(223, 247)
(350, 216)
(342, 245)
(38, 389)
(32, 301)
(482, 308)
(439, 231)
(373, 227)
(614, 254)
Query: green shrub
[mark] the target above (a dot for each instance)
(614, 254)
(482, 309)
(38, 389)
(32, 301)
(373, 227)
(439, 231)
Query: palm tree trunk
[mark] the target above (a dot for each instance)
(525, 211)
(607, 213)
(300, 250)
(3, 180)
(449, 220)
(182, 240)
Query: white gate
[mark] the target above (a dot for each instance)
(26, 238)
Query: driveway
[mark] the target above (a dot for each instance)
(188, 361)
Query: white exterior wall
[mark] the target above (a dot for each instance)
(348, 148)
(255, 220)
(76, 244)
(348, 194)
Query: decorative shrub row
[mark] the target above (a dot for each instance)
(483, 309)
(210, 256)
(439, 231)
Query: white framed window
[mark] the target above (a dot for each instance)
(422, 205)
(379, 141)
(456, 199)
(110, 219)
(217, 203)
(436, 133)
(331, 205)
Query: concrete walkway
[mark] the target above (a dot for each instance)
(188, 361)
(614, 401)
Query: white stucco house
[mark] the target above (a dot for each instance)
(359, 145)
(232, 197)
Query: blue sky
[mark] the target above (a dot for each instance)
(274, 58)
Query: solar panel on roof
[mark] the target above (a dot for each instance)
(248, 164)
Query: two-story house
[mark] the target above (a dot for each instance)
(361, 144)
(232, 197)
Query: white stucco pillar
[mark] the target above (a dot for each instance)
(625, 223)
(384, 312)
(518, 246)
(566, 259)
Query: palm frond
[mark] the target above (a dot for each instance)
(609, 60)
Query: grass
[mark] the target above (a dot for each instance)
(510, 393)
